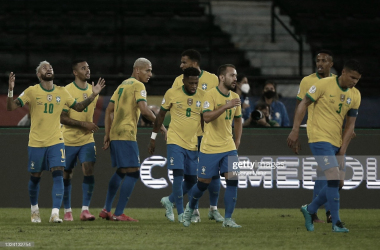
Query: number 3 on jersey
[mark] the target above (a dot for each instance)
(340, 108)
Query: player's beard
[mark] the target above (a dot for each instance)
(229, 86)
(47, 78)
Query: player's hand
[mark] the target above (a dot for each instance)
(106, 142)
(353, 135)
(340, 156)
(164, 132)
(341, 184)
(99, 86)
(152, 146)
(233, 103)
(237, 144)
(293, 142)
(12, 78)
(90, 127)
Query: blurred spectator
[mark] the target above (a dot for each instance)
(145, 122)
(278, 111)
(242, 89)
(25, 121)
(260, 117)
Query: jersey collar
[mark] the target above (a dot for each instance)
(337, 82)
(46, 89)
(79, 87)
(200, 75)
(229, 93)
(319, 76)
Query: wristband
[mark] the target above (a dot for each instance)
(154, 135)
(10, 93)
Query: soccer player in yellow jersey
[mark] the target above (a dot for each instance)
(46, 150)
(324, 62)
(126, 103)
(207, 81)
(78, 130)
(335, 99)
(184, 103)
(220, 107)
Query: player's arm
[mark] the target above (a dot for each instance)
(12, 104)
(95, 91)
(66, 120)
(107, 124)
(209, 116)
(238, 129)
(148, 114)
(156, 127)
(348, 130)
(298, 117)
(202, 123)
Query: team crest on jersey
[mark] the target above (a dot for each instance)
(190, 101)
(342, 97)
(348, 100)
(85, 96)
(206, 104)
(204, 86)
(58, 99)
(203, 170)
(49, 98)
(198, 104)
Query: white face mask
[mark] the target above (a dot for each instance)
(245, 88)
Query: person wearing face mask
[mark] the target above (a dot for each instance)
(278, 111)
(242, 89)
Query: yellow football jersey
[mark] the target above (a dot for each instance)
(185, 110)
(127, 112)
(45, 111)
(74, 136)
(331, 106)
(218, 133)
(305, 85)
(206, 82)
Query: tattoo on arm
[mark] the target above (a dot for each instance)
(82, 105)
(66, 120)
(18, 103)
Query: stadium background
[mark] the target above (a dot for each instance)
(264, 39)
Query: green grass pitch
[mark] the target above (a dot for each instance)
(262, 229)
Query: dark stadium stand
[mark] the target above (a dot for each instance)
(111, 35)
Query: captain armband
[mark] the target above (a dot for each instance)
(352, 113)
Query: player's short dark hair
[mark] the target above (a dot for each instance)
(223, 68)
(75, 62)
(325, 51)
(190, 71)
(240, 77)
(354, 65)
(193, 55)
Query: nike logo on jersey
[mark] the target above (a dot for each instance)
(332, 95)
(37, 98)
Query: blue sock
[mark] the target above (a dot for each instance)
(196, 193)
(214, 189)
(113, 186)
(57, 191)
(34, 189)
(177, 193)
(230, 197)
(87, 189)
(126, 191)
(318, 201)
(332, 194)
(67, 193)
(188, 182)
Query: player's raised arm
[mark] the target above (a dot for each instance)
(95, 91)
(12, 104)
(298, 117)
(89, 126)
(156, 127)
(209, 116)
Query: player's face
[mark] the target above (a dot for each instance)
(144, 73)
(82, 71)
(230, 79)
(350, 78)
(46, 72)
(186, 63)
(191, 84)
(324, 64)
